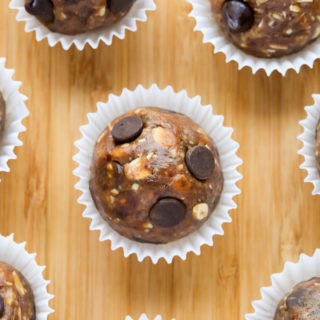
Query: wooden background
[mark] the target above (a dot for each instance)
(277, 217)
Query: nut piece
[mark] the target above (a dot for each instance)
(181, 183)
(136, 169)
(200, 211)
(163, 137)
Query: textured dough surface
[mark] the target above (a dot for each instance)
(301, 303)
(280, 27)
(153, 167)
(78, 16)
(16, 294)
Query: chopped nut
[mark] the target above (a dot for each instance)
(147, 226)
(200, 211)
(102, 11)
(115, 192)
(135, 187)
(136, 169)
(181, 183)
(120, 152)
(294, 8)
(180, 167)
(163, 137)
(150, 155)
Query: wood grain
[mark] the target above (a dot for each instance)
(277, 217)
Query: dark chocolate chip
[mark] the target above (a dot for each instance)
(295, 299)
(200, 162)
(167, 212)
(237, 15)
(127, 129)
(1, 307)
(117, 6)
(42, 9)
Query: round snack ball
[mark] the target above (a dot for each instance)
(78, 16)
(16, 297)
(269, 28)
(160, 181)
(2, 113)
(301, 303)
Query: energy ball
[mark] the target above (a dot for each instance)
(2, 113)
(301, 303)
(269, 28)
(16, 297)
(155, 176)
(78, 16)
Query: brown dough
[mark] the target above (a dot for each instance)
(153, 167)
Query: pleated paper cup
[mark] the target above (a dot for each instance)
(138, 12)
(15, 255)
(144, 317)
(212, 124)
(212, 33)
(16, 111)
(293, 273)
(308, 138)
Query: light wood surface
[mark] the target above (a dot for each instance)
(277, 216)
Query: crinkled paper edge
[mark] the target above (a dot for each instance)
(14, 254)
(292, 274)
(16, 111)
(207, 24)
(138, 12)
(308, 138)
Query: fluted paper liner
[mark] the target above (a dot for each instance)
(212, 33)
(144, 317)
(212, 124)
(93, 38)
(308, 138)
(16, 111)
(293, 273)
(15, 255)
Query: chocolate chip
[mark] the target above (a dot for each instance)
(127, 129)
(1, 307)
(167, 212)
(42, 9)
(296, 298)
(237, 15)
(200, 162)
(117, 6)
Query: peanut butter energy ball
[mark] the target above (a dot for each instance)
(16, 297)
(78, 16)
(301, 303)
(155, 176)
(269, 28)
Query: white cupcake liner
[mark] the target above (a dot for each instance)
(15, 255)
(308, 137)
(212, 33)
(93, 38)
(293, 273)
(144, 317)
(16, 111)
(212, 124)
